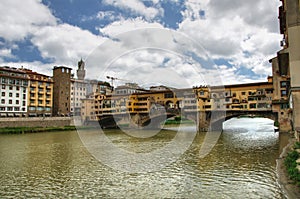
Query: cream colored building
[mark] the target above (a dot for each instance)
(13, 92)
(288, 58)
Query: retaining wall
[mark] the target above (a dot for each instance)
(36, 122)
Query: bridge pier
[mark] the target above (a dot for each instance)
(203, 122)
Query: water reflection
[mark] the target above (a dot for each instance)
(251, 133)
(56, 165)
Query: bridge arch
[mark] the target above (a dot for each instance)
(217, 122)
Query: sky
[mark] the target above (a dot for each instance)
(175, 43)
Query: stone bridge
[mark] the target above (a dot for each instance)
(213, 120)
(140, 120)
(206, 120)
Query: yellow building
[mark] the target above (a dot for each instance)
(40, 94)
(242, 97)
(88, 109)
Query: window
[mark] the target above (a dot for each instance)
(2, 108)
(3, 86)
(40, 102)
(3, 94)
(17, 108)
(12, 81)
(169, 95)
(23, 109)
(10, 94)
(284, 106)
(10, 101)
(283, 93)
(10, 87)
(9, 108)
(24, 103)
(17, 95)
(24, 96)
(32, 108)
(201, 92)
(234, 95)
(24, 90)
(2, 101)
(283, 84)
(243, 93)
(252, 105)
(17, 101)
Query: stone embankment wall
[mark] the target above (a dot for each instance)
(36, 122)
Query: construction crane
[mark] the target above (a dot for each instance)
(115, 78)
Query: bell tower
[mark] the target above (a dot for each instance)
(81, 71)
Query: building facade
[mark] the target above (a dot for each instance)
(78, 92)
(14, 92)
(61, 91)
(288, 59)
(40, 94)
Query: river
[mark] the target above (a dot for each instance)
(57, 165)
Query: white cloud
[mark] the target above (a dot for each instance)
(239, 31)
(22, 18)
(242, 32)
(125, 25)
(65, 43)
(6, 53)
(34, 66)
(109, 15)
(137, 7)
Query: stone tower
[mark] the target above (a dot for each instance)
(61, 90)
(81, 70)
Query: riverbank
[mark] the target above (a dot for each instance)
(290, 189)
(22, 130)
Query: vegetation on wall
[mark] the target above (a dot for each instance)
(291, 164)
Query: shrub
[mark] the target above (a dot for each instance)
(291, 165)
